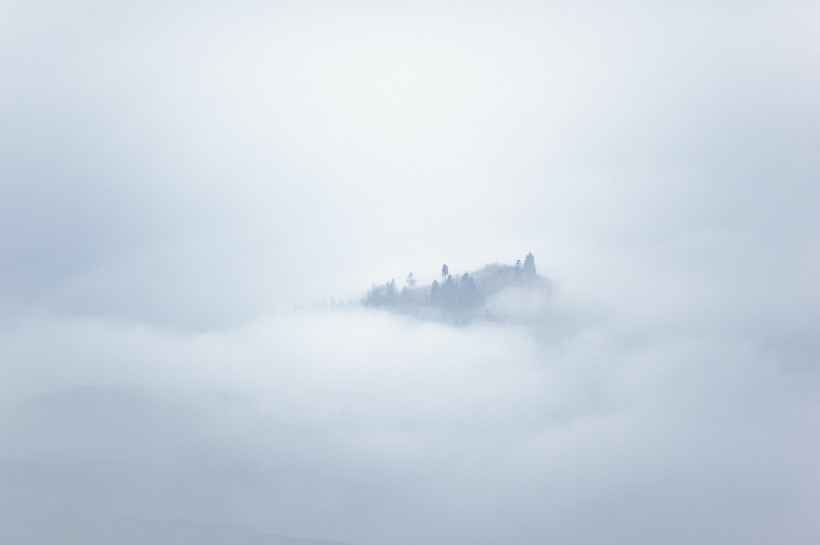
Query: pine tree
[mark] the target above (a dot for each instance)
(529, 264)
(449, 292)
(467, 292)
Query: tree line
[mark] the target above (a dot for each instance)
(453, 294)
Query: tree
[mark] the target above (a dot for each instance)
(411, 281)
(445, 270)
(381, 296)
(435, 292)
(467, 292)
(449, 292)
(529, 264)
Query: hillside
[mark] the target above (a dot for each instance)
(495, 291)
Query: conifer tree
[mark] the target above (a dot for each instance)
(435, 292)
(529, 264)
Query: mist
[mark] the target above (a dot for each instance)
(195, 199)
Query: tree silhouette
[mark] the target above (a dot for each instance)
(381, 296)
(435, 292)
(449, 292)
(529, 264)
(467, 292)
(458, 297)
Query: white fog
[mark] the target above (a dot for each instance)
(209, 213)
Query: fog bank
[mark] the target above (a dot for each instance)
(188, 189)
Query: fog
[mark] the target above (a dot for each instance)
(195, 197)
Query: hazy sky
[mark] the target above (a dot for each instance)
(195, 164)
(176, 177)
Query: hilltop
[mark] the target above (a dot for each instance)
(495, 291)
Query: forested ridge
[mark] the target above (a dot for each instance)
(462, 295)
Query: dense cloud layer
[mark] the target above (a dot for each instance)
(373, 429)
(176, 178)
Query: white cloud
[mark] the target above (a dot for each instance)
(176, 177)
(373, 429)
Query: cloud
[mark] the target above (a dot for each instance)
(176, 178)
(371, 429)
(237, 160)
